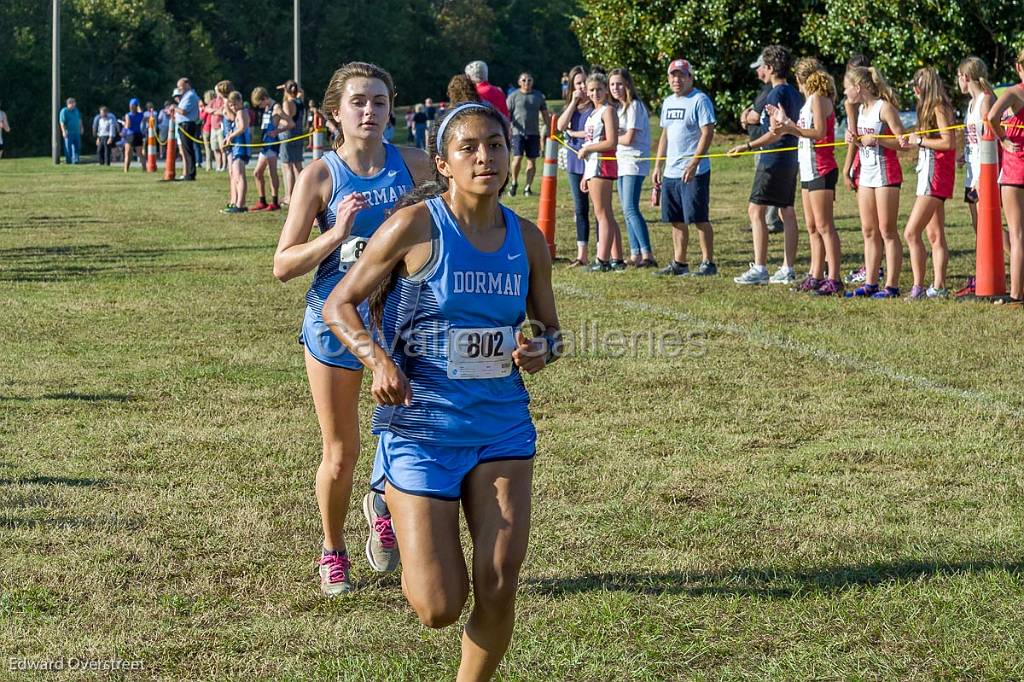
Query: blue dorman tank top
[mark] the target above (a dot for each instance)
(381, 190)
(451, 329)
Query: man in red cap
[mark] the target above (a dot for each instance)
(687, 129)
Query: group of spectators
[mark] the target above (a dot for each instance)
(792, 132)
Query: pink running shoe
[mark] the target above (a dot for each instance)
(334, 573)
(381, 546)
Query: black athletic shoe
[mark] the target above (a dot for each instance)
(527, 192)
(673, 268)
(512, 189)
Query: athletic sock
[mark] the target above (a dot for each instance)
(263, 199)
(380, 506)
(275, 198)
(679, 265)
(334, 552)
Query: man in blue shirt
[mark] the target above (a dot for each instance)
(687, 129)
(776, 174)
(186, 117)
(71, 129)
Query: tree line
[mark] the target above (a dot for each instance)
(117, 49)
(721, 38)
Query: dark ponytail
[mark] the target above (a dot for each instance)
(434, 187)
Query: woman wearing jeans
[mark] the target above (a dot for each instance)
(571, 122)
(634, 145)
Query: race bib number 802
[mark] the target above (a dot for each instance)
(480, 353)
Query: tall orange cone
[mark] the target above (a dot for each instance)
(548, 184)
(991, 272)
(319, 136)
(151, 147)
(172, 152)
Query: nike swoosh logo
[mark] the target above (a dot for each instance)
(392, 174)
(511, 257)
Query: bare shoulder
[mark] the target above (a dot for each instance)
(318, 172)
(407, 226)
(418, 162)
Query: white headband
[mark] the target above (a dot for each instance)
(462, 107)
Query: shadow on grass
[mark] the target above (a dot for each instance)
(62, 263)
(57, 480)
(768, 583)
(73, 395)
(79, 522)
(36, 221)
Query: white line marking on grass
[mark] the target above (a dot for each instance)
(850, 362)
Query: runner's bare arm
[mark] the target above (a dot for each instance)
(296, 254)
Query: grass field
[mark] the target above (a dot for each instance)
(811, 489)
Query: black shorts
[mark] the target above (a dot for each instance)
(774, 186)
(970, 195)
(136, 140)
(686, 202)
(526, 145)
(826, 181)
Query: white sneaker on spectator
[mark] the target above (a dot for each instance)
(783, 275)
(755, 275)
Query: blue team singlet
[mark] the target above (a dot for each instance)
(135, 122)
(268, 131)
(451, 329)
(381, 190)
(238, 151)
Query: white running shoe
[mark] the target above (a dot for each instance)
(381, 545)
(754, 275)
(783, 275)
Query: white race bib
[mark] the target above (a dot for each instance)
(349, 252)
(480, 353)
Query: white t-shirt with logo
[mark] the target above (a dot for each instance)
(634, 117)
(682, 118)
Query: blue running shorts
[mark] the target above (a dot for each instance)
(323, 345)
(430, 470)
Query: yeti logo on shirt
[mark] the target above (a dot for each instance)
(675, 114)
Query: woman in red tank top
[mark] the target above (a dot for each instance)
(1010, 133)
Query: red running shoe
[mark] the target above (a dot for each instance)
(968, 290)
(260, 206)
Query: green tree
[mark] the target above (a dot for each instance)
(720, 38)
(902, 37)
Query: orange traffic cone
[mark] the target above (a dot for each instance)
(172, 153)
(991, 271)
(319, 136)
(151, 147)
(548, 184)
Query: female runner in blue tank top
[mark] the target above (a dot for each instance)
(347, 193)
(452, 280)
